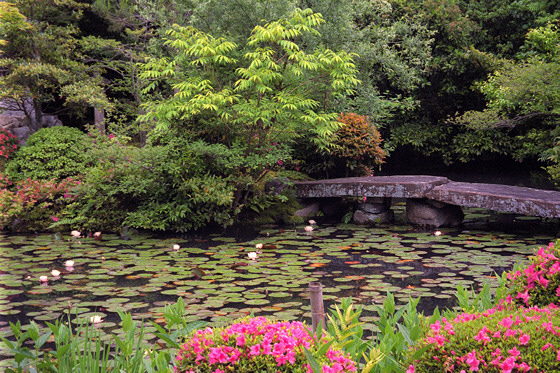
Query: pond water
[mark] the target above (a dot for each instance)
(219, 282)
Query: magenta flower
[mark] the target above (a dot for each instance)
(54, 218)
(410, 369)
(508, 365)
(524, 339)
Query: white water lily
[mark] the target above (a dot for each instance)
(312, 222)
(253, 255)
(43, 278)
(308, 228)
(259, 246)
(96, 319)
(55, 273)
(69, 263)
(76, 234)
(437, 233)
(176, 247)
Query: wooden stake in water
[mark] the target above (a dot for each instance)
(317, 310)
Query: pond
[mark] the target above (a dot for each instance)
(219, 282)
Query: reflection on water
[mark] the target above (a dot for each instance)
(219, 282)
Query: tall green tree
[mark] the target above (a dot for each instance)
(44, 73)
(256, 99)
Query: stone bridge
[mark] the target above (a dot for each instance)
(432, 200)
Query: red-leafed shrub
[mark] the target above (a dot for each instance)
(359, 144)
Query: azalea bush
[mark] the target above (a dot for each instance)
(539, 283)
(503, 339)
(8, 146)
(256, 345)
(32, 205)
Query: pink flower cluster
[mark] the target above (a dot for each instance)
(8, 144)
(250, 344)
(499, 329)
(538, 276)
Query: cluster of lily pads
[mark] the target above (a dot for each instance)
(223, 278)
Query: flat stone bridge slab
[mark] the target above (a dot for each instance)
(496, 197)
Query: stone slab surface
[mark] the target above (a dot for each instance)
(400, 186)
(505, 198)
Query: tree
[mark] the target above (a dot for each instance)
(256, 100)
(44, 71)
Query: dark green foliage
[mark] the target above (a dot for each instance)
(175, 187)
(51, 153)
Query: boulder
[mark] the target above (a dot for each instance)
(366, 218)
(375, 205)
(433, 215)
(309, 210)
(22, 132)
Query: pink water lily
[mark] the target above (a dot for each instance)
(308, 228)
(55, 273)
(43, 278)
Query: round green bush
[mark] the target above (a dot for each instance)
(51, 153)
(503, 339)
(539, 283)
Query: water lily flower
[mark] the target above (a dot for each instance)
(259, 246)
(253, 255)
(176, 247)
(96, 319)
(43, 278)
(437, 233)
(76, 234)
(55, 273)
(97, 236)
(312, 222)
(308, 228)
(69, 263)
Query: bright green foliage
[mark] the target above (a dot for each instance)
(255, 101)
(523, 339)
(398, 329)
(51, 153)
(11, 22)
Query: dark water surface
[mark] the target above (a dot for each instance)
(218, 282)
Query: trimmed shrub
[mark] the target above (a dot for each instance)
(255, 345)
(539, 283)
(503, 339)
(51, 153)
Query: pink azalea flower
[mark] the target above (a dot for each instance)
(558, 291)
(506, 322)
(514, 352)
(240, 340)
(524, 339)
(410, 369)
(524, 296)
(508, 365)
(473, 361)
